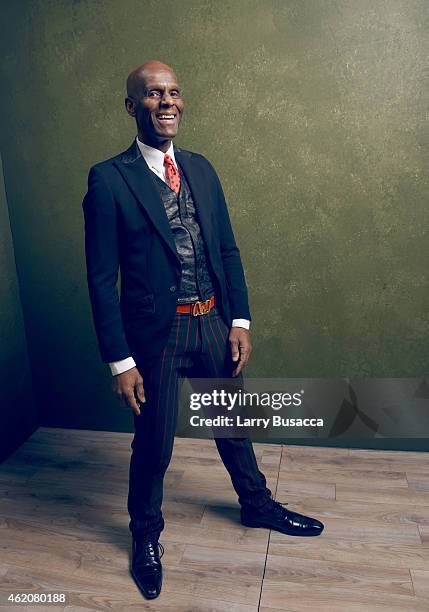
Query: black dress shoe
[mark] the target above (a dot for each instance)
(146, 567)
(274, 516)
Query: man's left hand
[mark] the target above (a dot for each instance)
(241, 347)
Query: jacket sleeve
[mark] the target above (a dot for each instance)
(232, 265)
(102, 265)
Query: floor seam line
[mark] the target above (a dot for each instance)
(269, 535)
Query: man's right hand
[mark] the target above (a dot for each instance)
(127, 386)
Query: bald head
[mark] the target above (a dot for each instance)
(138, 78)
(154, 99)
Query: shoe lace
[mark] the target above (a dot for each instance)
(278, 507)
(160, 547)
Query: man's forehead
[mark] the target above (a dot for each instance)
(159, 76)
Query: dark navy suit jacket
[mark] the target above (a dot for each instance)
(127, 232)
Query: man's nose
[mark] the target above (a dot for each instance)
(166, 99)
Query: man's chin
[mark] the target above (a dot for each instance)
(166, 134)
(159, 138)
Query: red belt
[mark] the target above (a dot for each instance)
(197, 308)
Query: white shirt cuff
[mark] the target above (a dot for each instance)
(117, 367)
(241, 323)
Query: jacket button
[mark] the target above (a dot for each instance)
(173, 288)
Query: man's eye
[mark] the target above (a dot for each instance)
(154, 94)
(175, 94)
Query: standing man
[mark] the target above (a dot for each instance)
(158, 214)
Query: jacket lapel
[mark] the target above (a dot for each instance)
(137, 175)
(198, 189)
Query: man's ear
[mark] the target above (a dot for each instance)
(130, 106)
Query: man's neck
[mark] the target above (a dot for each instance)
(161, 146)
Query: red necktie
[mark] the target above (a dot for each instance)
(171, 174)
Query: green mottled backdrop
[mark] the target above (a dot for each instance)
(313, 113)
(18, 414)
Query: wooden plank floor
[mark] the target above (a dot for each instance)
(64, 527)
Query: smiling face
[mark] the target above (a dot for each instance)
(155, 100)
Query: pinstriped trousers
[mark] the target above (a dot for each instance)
(197, 347)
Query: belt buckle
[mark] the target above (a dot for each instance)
(201, 308)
